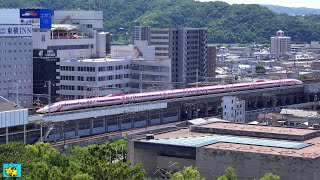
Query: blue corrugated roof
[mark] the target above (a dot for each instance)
(206, 140)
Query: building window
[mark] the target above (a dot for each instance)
(102, 69)
(102, 78)
(91, 79)
(80, 78)
(68, 78)
(43, 37)
(110, 68)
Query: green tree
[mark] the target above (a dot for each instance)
(270, 176)
(40, 170)
(82, 177)
(237, 23)
(55, 173)
(188, 173)
(229, 174)
(40, 161)
(260, 69)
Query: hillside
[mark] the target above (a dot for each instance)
(292, 10)
(226, 23)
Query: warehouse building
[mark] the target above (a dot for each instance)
(211, 147)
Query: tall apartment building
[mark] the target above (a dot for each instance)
(189, 55)
(141, 33)
(16, 63)
(280, 44)
(186, 47)
(212, 62)
(160, 39)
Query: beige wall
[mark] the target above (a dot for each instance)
(211, 163)
(172, 163)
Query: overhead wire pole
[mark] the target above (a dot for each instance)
(85, 87)
(140, 84)
(49, 92)
(17, 94)
(197, 78)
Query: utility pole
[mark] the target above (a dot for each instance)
(315, 101)
(85, 87)
(197, 78)
(140, 84)
(49, 92)
(17, 94)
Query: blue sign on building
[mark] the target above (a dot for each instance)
(39, 18)
(45, 18)
(29, 13)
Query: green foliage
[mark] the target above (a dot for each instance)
(292, 10)
(188, 173)
(270, 176)
(229, 174)
(237, 23)
(82, 177)
(40, 161)
(260, 69)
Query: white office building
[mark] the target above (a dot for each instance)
(125, 72)
(233, 109)
(74, 34)
(280, 44)
(16, 73)
(104, 76)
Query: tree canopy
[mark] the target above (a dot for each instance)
(40, 161)
(270, 176)
(105, 161)
(237, 23)
(229, 174)
(260, 69)
(188, 173)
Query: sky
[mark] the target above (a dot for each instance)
(288, 3)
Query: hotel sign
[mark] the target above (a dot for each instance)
(15, 30)
(39, 18)
(49, 55)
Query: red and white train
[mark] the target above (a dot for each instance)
(166, 94)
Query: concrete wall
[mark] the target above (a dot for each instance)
(13, 118)
(172, 163)
(211, 163)
(147, 158)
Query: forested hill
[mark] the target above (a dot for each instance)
(292, 10)
(226, 23)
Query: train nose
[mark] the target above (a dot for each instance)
(42, 110)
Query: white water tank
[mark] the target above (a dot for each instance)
(101, 44)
